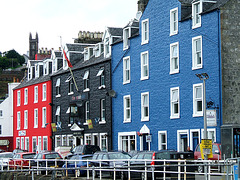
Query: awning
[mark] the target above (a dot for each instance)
(86, 74)
(69, 79)
(100, 72)
(58, 82)
(58, 111)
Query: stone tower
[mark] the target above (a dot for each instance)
(33, 46)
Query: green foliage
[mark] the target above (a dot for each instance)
(11, 60)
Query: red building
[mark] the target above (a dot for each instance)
(32, 114)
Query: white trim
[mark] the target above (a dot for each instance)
(35, 94)
(36, 118)
(18, 120)
(125, 119)
(172, 115)
(120, 134)
(172, 64)
(194, 15)
(34, 137)
(26, 119)
(22, 143)
(179, 132)
(44, 118)
(195, 112)
(145, 37)
(143, 77)
(194, 51)
(18, 142)
(25, 96)
(27, 143)
(44, 92)
(191, 137)
(18, 98)
(172, 12)
(143, 117)
(125, 69)
(160, 139)
(45, 138)
(126, 41)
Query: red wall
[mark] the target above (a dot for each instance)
(30, 106)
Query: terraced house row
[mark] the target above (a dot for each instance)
(135, 88)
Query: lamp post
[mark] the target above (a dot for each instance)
(203, 77)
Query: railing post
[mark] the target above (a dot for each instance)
(153, 172)
(93, 174)
(75, 168)
(46, 167)
(37, 166)
(114, 170)
(185, 169)
(129, 170)
(164, 169)
(87, 169)
(32, 175)
(179, 170)
(66, 172)
(145, 172)
(100, 172)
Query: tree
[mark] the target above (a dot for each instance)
(12, 54)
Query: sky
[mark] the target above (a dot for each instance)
(53, 19)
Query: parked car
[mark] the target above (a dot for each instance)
(83, 149)
(47, 159)
(17, 150)
(142, 158)
(4, 159)
(21, 160)
(78, 161)
(216, 150)
(107, 161)
(1, 150)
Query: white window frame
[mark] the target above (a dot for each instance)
(88, 139)
(173, 102)
(103, 137)
(27, 143)
(35, 118)
(45, 139)
(87, 111)
(25, 96)
(22, 143)
(209, 130)
(18, 142)
(191, 137)
(126, 70)
(35, 94)
(195, 65)
(160, 143)
(126, 109)
(58, 141)
(126, 35)
(18, 98)
(145, 31)
(86, 81)
(34, 138)
(179, 132)
(173, 22)
(44, 117)
(174, 70)
(120, 144)
(18, 120)
(58, 86)
(143, 106)
(144, 77)
(103, 110)
(39, 144)
(44, 92)
(26, 119)
(195, 14)
(195, 99)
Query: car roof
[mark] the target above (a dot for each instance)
(26, 153)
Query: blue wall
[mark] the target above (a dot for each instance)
(160, 81)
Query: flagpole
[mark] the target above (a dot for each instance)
(73, 78)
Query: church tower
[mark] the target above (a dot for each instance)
(33, 46)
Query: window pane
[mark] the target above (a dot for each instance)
(199, 105)
(198, 92)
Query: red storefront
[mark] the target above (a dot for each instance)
(32, 115)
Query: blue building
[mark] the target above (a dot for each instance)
(159, 102)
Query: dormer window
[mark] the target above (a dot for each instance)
(126, 35)
(88, 53)
(98, 49)
(37, 70)
(196, 11)
(45, 68)
(29, 73)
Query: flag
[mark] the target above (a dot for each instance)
(65, 55)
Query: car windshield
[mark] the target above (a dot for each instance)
(77, 149)
(28, 156)
(10, 155)
(52, 156)
(119, 156)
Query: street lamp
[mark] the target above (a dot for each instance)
(203, 77)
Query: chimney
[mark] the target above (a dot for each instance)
(142, 5)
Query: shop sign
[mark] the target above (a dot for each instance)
(211, 116)
(4, 142)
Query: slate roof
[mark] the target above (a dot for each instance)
(77, 46)
(115, 31)
(58, 54)
(186, 8)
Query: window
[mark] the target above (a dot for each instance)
(58, 115)
(70, 87)
(35, 118)
(35, 94)
(196, 17)
(197, 100)
(18, 142)
(145, 106)
(173, 21)
(102, 77)
(22, 143)
(174, 103)
(144, 66)
(88, 139)
(126, 35)
(25, 96)
(103, 111)
(58, 92)
(86, 110)
(58, 141)
(182, 140)
(1, 113)
(18, 98)
(127, 108)
(162, 140)
(126, 70)
(127, 141)
(86, 81)
(27, 143)
(44, 88)
(34, 144)
(73, 113)
(197, 52)
(145, 31)
(25, 119)
(174, 58)
(18, 120)
(0, 129)
(44, 117)
(64, 140)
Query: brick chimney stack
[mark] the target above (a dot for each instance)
(142, 5)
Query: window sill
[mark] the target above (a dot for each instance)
(145, 119)
(144, 78)
(174, 72)
(102, 87)
(173, 33)
(102, 122)
(125, 48)
(127, 121)
(25, 128)
(174, 117)
(197, 115)
(71, 93)
(44, 100)
(195, 68)
(35, 101)
(25, 103)
(36, 127)
(196, 26)
(85, 124)
(69, 125)
(126, 82)
(86, 90)
(144, 42)
(59, 95)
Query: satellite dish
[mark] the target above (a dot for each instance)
(111, 93)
